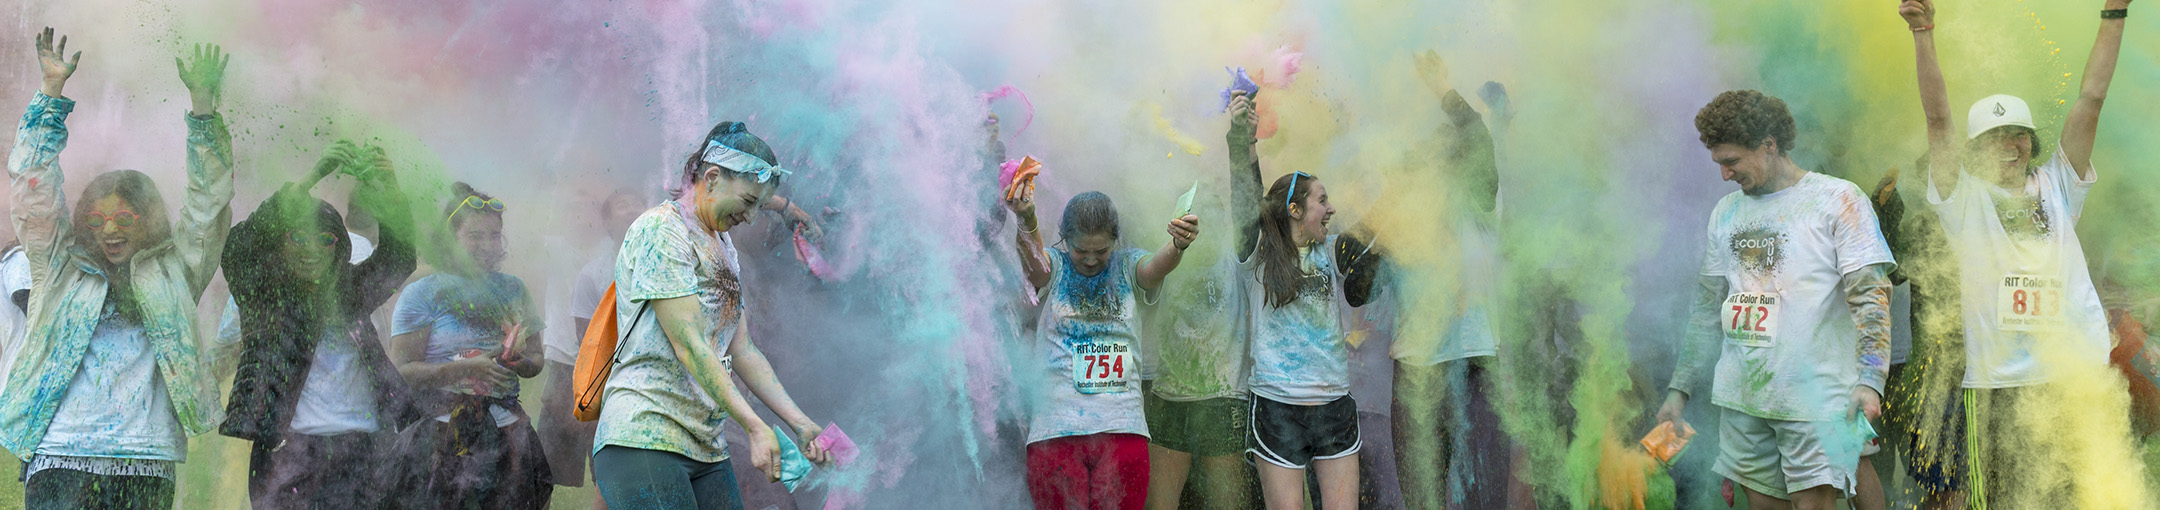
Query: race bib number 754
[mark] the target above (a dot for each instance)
(1750, 319)
(1103, 367)
(2029, 303)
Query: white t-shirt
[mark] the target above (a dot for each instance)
(1790, 349)
(1468, 331)
(2022, 244)
(1088, 340)
(586, 288)
(1299, 354)
(14, 324)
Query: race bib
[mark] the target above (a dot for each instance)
(1750, 319)
(2029, 303)
(1103, 367)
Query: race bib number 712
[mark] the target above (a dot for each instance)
(1750, 319)
(1103, 367)
(2029, 303)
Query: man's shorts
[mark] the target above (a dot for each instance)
(1292, 436)
(1208, 428)
(1778, 457)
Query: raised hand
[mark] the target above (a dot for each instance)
(369, 162)
(1021, 200)
(1183, 230)
(1919, 14)
(204, 75)
(339, 154)
(1434, 71)
(50, 62)
(1244, 119)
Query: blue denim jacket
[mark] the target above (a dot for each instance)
(70, 288)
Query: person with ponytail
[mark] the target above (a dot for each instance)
(463, 337)
(108, 385)
(1296, 276)
(679, 301)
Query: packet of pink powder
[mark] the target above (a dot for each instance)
(811, 258)
(836, 444)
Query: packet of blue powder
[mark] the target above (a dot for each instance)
(1239, 82)
(794, 467)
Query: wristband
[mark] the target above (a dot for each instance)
(2114, 14)
(1923, 28)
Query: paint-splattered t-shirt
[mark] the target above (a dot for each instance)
(1790, 349)
(464, 318)
(1298, 350)
(652, 402)
(1089, 318)
(1195, 347)
(2013, 244)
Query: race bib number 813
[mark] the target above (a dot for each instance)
(1103, 367)
(2029, 303)
(1750, 319)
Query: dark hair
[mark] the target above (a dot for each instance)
(1280, 272)
(458, 192)
(734, 135)
(143, 198)
(2030, 133)
(1745, 118)
(1089, 213)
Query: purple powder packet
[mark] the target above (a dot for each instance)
(1239, 81)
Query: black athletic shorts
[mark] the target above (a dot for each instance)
(1292, 436)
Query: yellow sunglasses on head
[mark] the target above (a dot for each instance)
(492, 204)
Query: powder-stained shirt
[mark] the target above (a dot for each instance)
(1196, 334)
(1791, 350)
(464, 317)
(651, 400)
(1086, 319)
(117, 405)
(1467, 330)
(2022, 272)
(1298, 350)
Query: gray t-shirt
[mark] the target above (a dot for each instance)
(651, 401)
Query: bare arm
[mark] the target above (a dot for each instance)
(1033, 260)
(1943, 143)
(409, 351)
(1182, 232)
(681, 319)
(2082, 126)
(757, 373)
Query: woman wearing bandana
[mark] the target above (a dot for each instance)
(461, 338)
(679, 304)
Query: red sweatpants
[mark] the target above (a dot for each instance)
(1091, 472)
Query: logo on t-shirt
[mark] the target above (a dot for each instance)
(2024, 218)
(1760, 250)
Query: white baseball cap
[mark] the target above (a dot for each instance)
(1997, 111)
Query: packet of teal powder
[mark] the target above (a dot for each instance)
(794, 467)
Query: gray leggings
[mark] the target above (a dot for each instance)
(639, 478)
